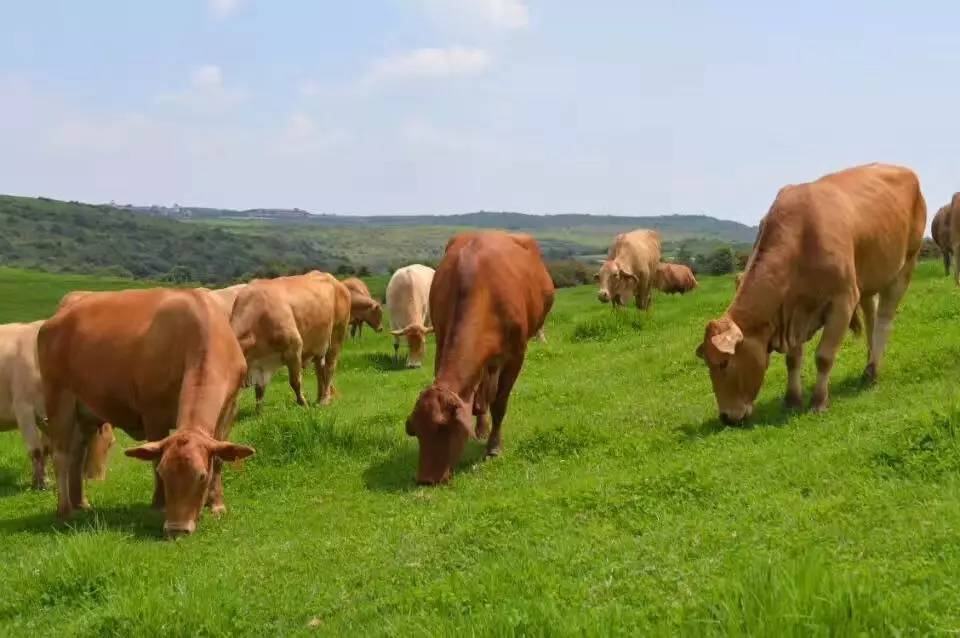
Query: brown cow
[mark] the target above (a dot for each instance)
(823, 248)
(147, 361)
(363, 307)
(953, 224)
(940, 229)
(490, 295)
(630, 268)
(673, 278)
(290, 321)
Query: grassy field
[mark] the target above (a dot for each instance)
(620, 504)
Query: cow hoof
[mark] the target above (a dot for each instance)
(869, 374)
(218, 510)
(819, 407)
(325, 400)
(84, 505)
(64, 512)
(39, 487)
(494, 452)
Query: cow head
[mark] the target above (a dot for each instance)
(416, 338)
(95, 467)
(616, 281)
(368, 310)
(442, 423)
(737, 365)
(184, 463)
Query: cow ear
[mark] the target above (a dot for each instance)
(148, 451)
(699, 351)
(626, 274)
(227, 451)
(409, 426)
(596, 276)
(728, 340)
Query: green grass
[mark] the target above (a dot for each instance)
(620, 505)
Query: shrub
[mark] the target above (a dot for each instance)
(569, 272)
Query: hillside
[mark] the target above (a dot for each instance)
(620, 504)
(215, 246)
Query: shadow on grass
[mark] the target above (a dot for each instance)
(382, 362)
(11, 482)
(773, 413)
(396, 473)
(139, 520)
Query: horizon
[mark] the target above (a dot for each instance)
(452, 105)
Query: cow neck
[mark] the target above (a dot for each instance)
(462, 363)
(757, 305)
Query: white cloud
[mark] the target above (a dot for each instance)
(223, 8)
(206, 92)
(501, 14)
(431, 63)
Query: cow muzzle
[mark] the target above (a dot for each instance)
(173, 531)
(603, 296)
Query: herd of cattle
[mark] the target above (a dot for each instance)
(166, 365)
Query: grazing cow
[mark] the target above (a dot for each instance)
(940, 229)
(363, 307)
(148, 361)
(491, 295)
(408, 298)
(953, 231)
(290, 321)
(672, 278)
(823, 248)
(630, 268)
(21, 401)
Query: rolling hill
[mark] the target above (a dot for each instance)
(218, 246)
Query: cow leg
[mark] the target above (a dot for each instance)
(258, 391)
(869, 306)
(61, 421)
(955, 249)
(834, 330)
(946, 262)
(27, 422)
(329, 366)
(359, 329)
(396, 350)
(82, 434)
(294, 363)
(886, 310)
(504, 385)
(794, 396)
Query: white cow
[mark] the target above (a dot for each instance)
(21, 399)
(408, 299)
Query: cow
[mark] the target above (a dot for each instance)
(491, 294)
(823, 248)
(629, 269)
(290, 321)
(22, 406)
(674, 278)
(940, 229)
(408, 298)
(363, 307)
(953, 231)
(147, 361)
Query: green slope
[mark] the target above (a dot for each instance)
(620, 505)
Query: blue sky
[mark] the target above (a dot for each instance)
(440, 106)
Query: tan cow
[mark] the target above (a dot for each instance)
(22, 406)
(630, 268)
(290, 321)
(408, 298)
(823, 248)
(148, 361)
(363, 307)
(940, 229)
(673, 278)
(491, 295)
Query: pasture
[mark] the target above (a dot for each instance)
(620, 504)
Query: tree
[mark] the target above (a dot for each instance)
(721, 261)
